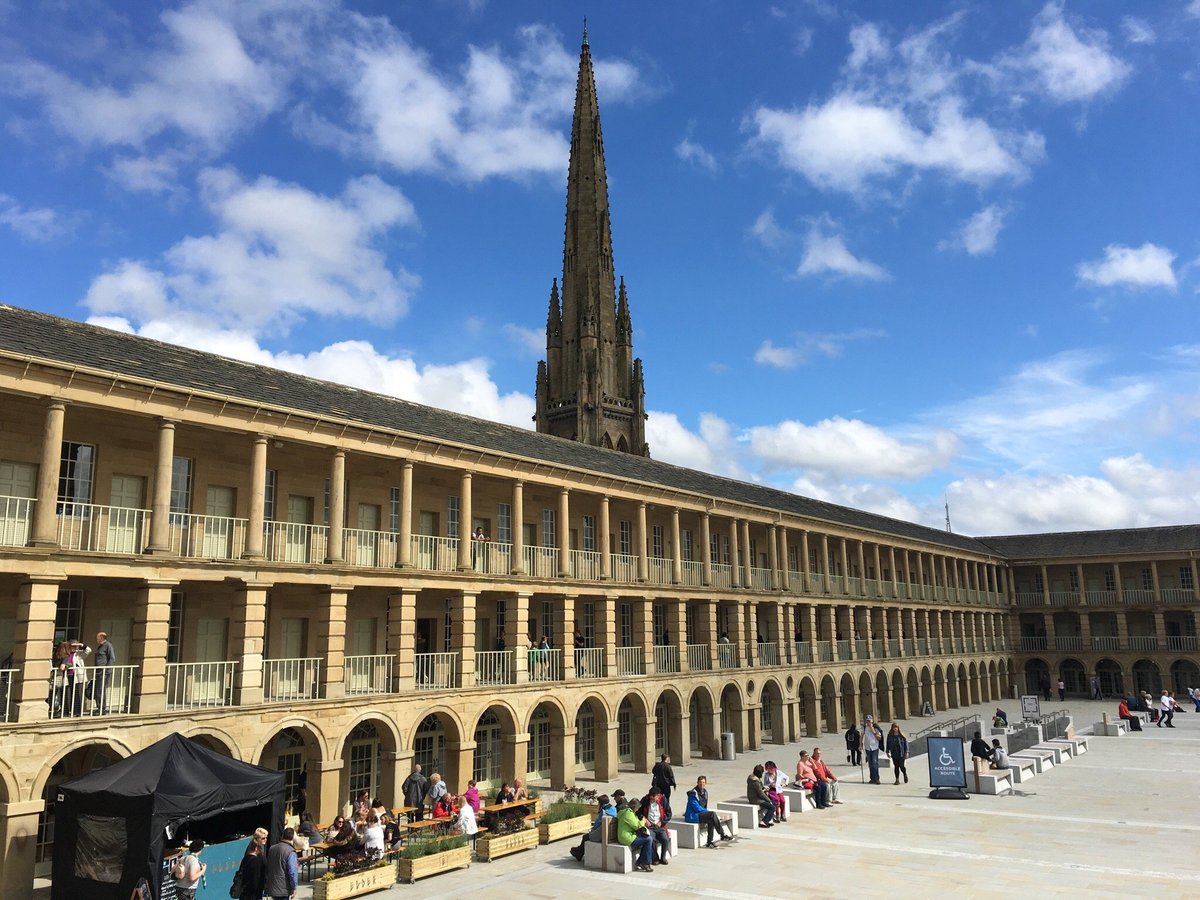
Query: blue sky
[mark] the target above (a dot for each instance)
(888, 255)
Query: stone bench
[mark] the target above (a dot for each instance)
(1043, 760)
(1062, 752)
(798, 799)
(1114, 728)
(745, 814)
(1021, 769)
(620, 859)
(692, 835)
(1078, 745)
(993, 781)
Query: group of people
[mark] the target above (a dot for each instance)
(995, 755)
(70, 685)
(273, 872)
(871, 741)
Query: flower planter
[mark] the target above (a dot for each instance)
(355, 885)
(412, 869)
(555, 831)
(494, 846)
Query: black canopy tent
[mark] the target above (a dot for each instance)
(111, 826)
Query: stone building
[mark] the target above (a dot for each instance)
(287, 572)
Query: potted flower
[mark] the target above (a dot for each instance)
(433, 855)
(353, 878)
(564, 818)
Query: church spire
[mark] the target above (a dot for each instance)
(591, 387)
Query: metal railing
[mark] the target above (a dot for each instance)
(589, 662)
(207, 537)
(922, 646)
(495, 667)
(16, 520)
(102, 529)
(1143, 642)
(825, 651)
(8, 678)
(624, 568)
(585, 565)
(291, 679)
(435, 671)
(727, 656)
(803, 652)
(893, 647)
(1064, 598)
(1106, 642)
(910, 648)
(491, 557)
(369, 674)
(1033, 644)
(658, 570)
(1139, 598)
(541, 562)
(768, 654)
(108, 691)
(760, 579)
(1030, 598)
(370, 549)
(698, 657)
(693, 573)
(200, 685)
(1176, 595)
(722, 575)
(630, 661)
(434, 554)
(1181, 642)
(1100, 598)
(843, 649)
(666, 660)
(861, 648)
(295, 542)
(1068, 642)
(544, 665)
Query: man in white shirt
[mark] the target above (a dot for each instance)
(872, 741)
(1166, 710)
(466, 822)
(999, 756)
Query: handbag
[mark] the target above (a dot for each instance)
(235, 889)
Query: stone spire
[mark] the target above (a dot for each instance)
(589, 387)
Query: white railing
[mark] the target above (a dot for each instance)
(541, 562)
(803, 652)
(693, 573)
(893, 647)
(922, 647)
(1064, 598)
(727, 656)
(825, 651)
(491, 557)
(585, 565)
(1030, 598)
(8, 678)
(1101, 598)
(760, 579)
(698, 657)
(624, 568)
(207, 537)
(889, 590)
(16, 520)
(1181, 642)
(369, 674)
(107, 692)
(434, 554)
(102, 529)
(1177, 595)
(435, 671)
(545, 665)
(903, 590)
(877, 648)
(296, 542)
(200, 685)
(666, 660)
(658, 570)
(630, 661)
(722, 575)
(1143, 641)
(291, 679)
(1105, 642)
(1033, 644)
(871, 587)
(861, 648)
(854, 586)
(1068, 642)
(370, 549)
(495, 667)
(768, 654)
(843, 649)
(910, 647)
(589, 662)
(1139, 598)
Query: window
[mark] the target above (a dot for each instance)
(68, 616)
(793, 559)
(1185, 578)
(181, 488)
(325, 506)
(585, 737)
(548, 620)
(589, 533)
(501, 617)
(394, 510)
(175, 628)
(548, 539)
(1110, 580)
(626, 625)
(685, 542)
(447, 631)
(626, 537)
(753, 555)
(269, 496)
(75, 473)
(1039, 583)
(656, 541)
(714, 548)
(504, 523)
(452, 516)
(588, 623)
(1074, 580)
(660, 622)
(1147, 579)
(812, 559)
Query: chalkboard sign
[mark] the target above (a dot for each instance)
(166, 881)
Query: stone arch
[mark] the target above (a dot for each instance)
(634, 735)
(994, 681)
(926, 678)
(704, 737)
(883, 699)
(551, 750)
(1074, 676)
(810, 716)
(495, 756)
(1112, 679)
(973, 683)
(1184, 674)
(866, 695)
(592, 747)
(899, 699)
(964, 686)
(1147, 677)
(10, 791)
(622, 445)
(1037, 675)
(850, 701)
(436, 739)
(941, 700)
(914, 691)
(831, 722)
(772, 725)
(389, 731)
(296, 748)
(215, 739)
(368, 750)
(733, 718)
(606, 441)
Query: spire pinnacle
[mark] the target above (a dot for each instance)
(585, 43)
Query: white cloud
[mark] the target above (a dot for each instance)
(978, 234)
(1138, 31)
(1067, 64)
(32, 223)
(280, 252)
(826, 254)
(806, 346)
(1147, 266)
(850, 446)
(767, 231)
(529, 341)
(867, 46)
(713, 449)
(692, 152)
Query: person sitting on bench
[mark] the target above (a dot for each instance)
(999, 756)
(698, 813)
(980, 748)
(1135, 723)
(607, 811)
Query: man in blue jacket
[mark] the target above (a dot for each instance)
(283, 872)
(698, 813)
(607, 810)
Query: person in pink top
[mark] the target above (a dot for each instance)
(806, 775)
(471, 795)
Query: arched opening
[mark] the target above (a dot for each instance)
(210, 742)
(810, 717)
(899, 699)
(771, 720)
(1074, 676)
(625, 732)
(994, 681)
(702, 725)
(541, 759)
(668, 725)
(75, 764)
(295, 751)
(429, 745)
(489, 764)
(829, 711)
(941, 701)
(1037, 676)
(866, 696)
(850, 707)
(1112, 684)
(732, 718)
(622, 445)
(633, 736)
(883, 700)
(964, 686)
(914, 693)
(973, 683)
(1184, 674)
(1146, 677)
(362, 762)
(606, 441)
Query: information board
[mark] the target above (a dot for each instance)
(1031, 706)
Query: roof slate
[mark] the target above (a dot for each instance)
(1120, 541)
(63, 341)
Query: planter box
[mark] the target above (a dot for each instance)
(364, 882)
(494, 846)
(555, 831)
(412, 869)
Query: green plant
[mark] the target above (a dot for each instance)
(352, 867)
(430, 846)
(579, 794)
(563, 809)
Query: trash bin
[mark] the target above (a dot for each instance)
(1016, 692)
(728, 747)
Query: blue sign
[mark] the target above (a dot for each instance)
(947, 762)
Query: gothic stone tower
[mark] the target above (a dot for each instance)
(589, 387)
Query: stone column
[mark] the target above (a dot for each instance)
(747, 562)
(518, 528)
(462, 636)
(564, 533)
(639, 537)
(844, 553)
(706, 559)
(562, 755)
(566, 639)
(606, 751)
(404, 557)
(45, 511)
(1120, 588)
(750, 628)
(33, 646)
(160, 502)
(605, 541)
(643, 743)
(606, 635)
(402, 636)
(18, 842)
(333, 639)
(335, 551)
(814, 635)
(248, 639)
(773, 557)
(516, 629)
(676, 548)
(466, 515)
(735, 566)
(805, 564)
(151, 623)
(256, 521)
(785, 559)
(824, 562)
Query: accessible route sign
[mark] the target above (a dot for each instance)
(947, 762)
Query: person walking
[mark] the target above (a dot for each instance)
(897, 749)
(872, 741)
(1166, 710)
(662, 776)
(253, 870)
(413, 788)
(1062, 689)
(853, 746)
(282, 869)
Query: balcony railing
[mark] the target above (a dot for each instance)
(693, 573)
(107, 692)
(870, 587)
(207, 537)
(585, 565)
(862, 648)
(816, 582)
(893, 647)
(1177, 595)
(369, 674)
(760, 579)
(491, 557)
(630, 661)
(435, 671)
(541, 562)
(1143, 641)
(1070, 642)
(768, 654)
(1106, 642)
(843, 649)
(545, 665)
(1181, 642)
(658, 570)
(803, 652)
(910, 648)
(1030, 598)
(1064, 598)
(1139, 598)
(1032, 644)
(727, 656)
(370, 549)
(8, 678)
(624, 568)
(589, 662)
(666, 660)
(722, 575)
(854, 586)
(102, 529)
(825, 651)
(922, 647)
(200, 685)
(1101, 598)
(698, 657)
(16, 520)
(295, 542)
(494, 667)
(291, 679)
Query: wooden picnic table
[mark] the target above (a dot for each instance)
(531, 804)
(428, 823)
(405, 811)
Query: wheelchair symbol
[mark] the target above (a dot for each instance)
(945, 758)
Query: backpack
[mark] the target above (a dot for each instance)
(235, 889)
